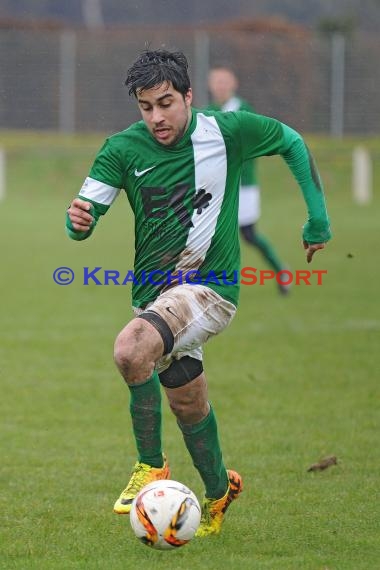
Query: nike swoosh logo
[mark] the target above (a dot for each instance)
(169, 310)
(141, 172)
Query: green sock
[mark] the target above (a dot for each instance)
(145, 408)
(203, 445)
(268, 252)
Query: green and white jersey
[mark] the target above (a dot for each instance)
(185, 197)
(248, 173)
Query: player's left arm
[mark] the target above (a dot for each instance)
(263, 136)
(316, 231)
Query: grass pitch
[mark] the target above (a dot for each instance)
(292, 380)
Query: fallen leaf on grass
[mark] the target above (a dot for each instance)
(324, 463)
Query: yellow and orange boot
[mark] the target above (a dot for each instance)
(213, 510)
(142, 474)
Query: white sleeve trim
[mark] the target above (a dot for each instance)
(99, 191)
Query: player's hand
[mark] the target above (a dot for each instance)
(79, 214)
(311, 249)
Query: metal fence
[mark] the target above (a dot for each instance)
(74, 80)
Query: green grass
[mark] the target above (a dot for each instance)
(292, 380)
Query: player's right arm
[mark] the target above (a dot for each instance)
(80, 217)
(98, 192)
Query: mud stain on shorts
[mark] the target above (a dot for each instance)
(175, 310)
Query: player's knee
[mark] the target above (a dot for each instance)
(178, 407)
(187, 409)
(133, 362)
(186, 412)
(122, 353)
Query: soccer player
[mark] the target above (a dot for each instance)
(223, 86)
(180, 169)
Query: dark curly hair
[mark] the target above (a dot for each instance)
(152, 68)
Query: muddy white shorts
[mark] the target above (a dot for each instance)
(194, 313)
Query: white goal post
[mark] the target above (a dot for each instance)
(361, 175)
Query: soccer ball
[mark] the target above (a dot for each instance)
(165, 514)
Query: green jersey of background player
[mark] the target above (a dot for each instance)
(223, 85)
(180, 169)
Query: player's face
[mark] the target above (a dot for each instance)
(166, 112)
(222, 85)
